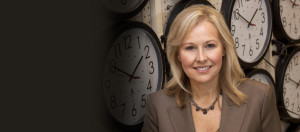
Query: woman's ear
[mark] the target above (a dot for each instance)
(223, 52)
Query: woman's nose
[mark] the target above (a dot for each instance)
(201, 56)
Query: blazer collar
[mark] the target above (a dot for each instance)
(231, 118)
(181, 118)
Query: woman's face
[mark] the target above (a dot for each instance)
(201, 54)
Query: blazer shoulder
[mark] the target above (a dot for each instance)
(161, 98)
(253, 86)
(255, 89)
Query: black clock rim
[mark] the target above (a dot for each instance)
(123, 16)
(226, 10)
(278, 29)
(293, 127)
(252, 71)
(119, 28)
(279, 76)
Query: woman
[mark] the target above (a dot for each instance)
(208, 91)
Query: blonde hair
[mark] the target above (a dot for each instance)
(231, 74)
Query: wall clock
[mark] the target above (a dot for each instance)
(250, 23)
(286, 20)
(261, 75)
(123, 9)
(288, 86)
(133, 69)
(179, 6)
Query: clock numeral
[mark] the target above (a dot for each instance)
(298, 108)
(290, 27)
(293, 106)
(236, 40)
(284, 21)
(107, 84)
(287, 102)
(144, 101)
(236, 16)
(287, 76)
(123, 109)
(149, 86)
(151, 64)
(112, 66)
(117, 50)
(147, 47)
(127, 42)
(113, 102)
(260, 4)
(263, 16)
(240, 2)
(123, 2)
(133, 111)
(138, 38)
(281, 9)
(290, 67)
(251, 51)
(296, 60)
(232, 30)
(243, 49)
(261, 32)
(284, 91)
(257, 44)
(296, 29)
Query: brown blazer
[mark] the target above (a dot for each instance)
(258, 114)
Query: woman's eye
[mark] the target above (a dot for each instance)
(210, 45)
(190, 48)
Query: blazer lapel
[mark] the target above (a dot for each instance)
(182, 119)
(232, 116)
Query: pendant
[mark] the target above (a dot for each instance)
(204, 111)
(197, 108)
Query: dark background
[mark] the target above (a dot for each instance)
(51, 56)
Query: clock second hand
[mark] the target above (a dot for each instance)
(135, 68)
(126, 73)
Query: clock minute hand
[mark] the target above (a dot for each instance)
(246, 20)
(126, 73)
(252, 17)
(295, 82)
(136, 68)
(294, 3)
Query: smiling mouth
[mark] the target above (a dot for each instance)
(203, 68)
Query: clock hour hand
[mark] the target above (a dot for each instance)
(126, 73)
(298, 84)
(252, 17)
(246, 20)
(135, 68)
(294, 3)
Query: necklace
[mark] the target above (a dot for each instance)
(204, 110)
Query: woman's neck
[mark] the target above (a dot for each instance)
(204, 93)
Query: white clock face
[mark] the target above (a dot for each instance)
(291, 87)
(216, 3)
(133, 69)
(251, 28)
(290, 17)
(262, 78)
(122, 6)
